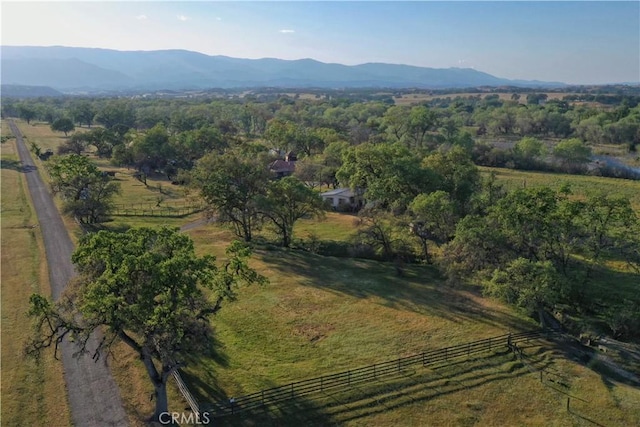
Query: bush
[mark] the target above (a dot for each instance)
(624, 319)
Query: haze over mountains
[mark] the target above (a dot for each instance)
(70, 69)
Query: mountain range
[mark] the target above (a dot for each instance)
(69, 69)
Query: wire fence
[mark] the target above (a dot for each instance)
(346, 379)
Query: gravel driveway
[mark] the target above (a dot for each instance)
(94, 397)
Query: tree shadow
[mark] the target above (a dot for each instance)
(359, 401)
(199, 372)
(16, 165)
(420, 289)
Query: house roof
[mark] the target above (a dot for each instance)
(346, 192)
(282, 166)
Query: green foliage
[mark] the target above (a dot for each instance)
(35, 148)
(390, 174)
(434, 218)
(231, 184)
(26, 112)
(544, 238)
(83, 112)
(63, 125)
(572, 152)
(76, 144)
(624, 319)
(529, 149)
(86, 191)
(527, 284)
(287, 200)
(151, 150)
(116, 113)
(385, 236)
(145, 288)
(458, 176)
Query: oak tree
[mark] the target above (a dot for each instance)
(148, 289)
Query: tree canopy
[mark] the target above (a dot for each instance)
(147, 288)
(86, 191)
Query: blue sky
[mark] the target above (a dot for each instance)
(573, 42)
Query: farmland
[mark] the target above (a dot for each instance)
(322, 314)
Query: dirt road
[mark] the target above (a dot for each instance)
(94, 398)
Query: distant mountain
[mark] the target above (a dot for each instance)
(18, 91)
(86, 69)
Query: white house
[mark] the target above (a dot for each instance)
(342, 199)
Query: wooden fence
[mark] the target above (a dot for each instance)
(165, 210)
(351, 377)
(193, 403)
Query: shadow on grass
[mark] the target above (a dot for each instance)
(16, 165)
(199, 373)
(419, 289)
(360, 401)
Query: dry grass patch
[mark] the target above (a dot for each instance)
(41, 134)
(417, 98)
(33, 393)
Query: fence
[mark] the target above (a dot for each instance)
(355, 376)
(557, 382)
(167, 210)
(193, 403)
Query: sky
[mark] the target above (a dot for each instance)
(578, 42)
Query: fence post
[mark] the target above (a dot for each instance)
(540, 376)
(568, 410)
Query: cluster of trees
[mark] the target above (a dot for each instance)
(239, 190)
(415, 166)
(537, 248)
(302, 121)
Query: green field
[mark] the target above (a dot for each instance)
(323, 315)
(581, 185)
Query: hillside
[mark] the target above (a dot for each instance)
(72, 69)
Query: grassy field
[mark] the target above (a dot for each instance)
(32, 392)
(322, 315)
(581, 185)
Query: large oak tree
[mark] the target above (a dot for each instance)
(147, 288)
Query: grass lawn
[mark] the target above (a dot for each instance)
(33, 393)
